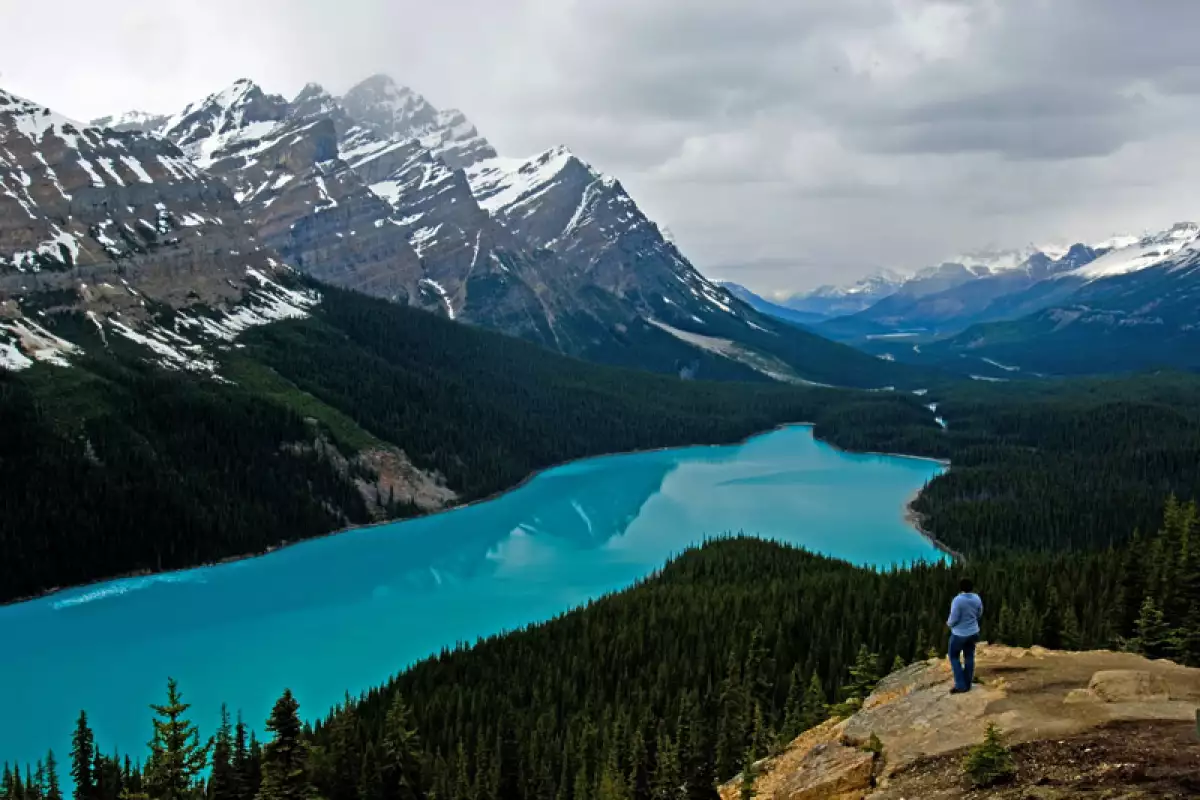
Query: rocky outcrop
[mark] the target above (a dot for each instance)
(1034, 696)
(282, 163)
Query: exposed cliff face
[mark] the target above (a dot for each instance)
(1052, 706)
(123, 228)
(282, 163)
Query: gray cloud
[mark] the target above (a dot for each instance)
(804, 142)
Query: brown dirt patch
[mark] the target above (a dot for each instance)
(1118, 760)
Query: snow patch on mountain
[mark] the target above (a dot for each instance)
(501, 184)
(23, 341)
(36, 121)
(1145, 252)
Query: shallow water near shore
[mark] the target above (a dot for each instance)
(345, 612)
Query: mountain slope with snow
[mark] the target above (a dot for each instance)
(1136, 307)
(615, 256)
(398, 113)
(121, 232)
(381, 192)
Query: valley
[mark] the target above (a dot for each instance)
(378, 598)
(1122, 305)
(417, 458)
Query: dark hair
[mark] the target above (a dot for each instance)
(965, 585)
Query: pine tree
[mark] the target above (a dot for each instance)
(82, 745)
(370, 778)
(611, 786)
(221, 782)
(1050, 634)
(39, 781)
(177, 758)
(402, 753)
(749, 776)
(1072, 637)
(53, 792)
(344, 761)
(668, 781)
(1132, 586)
(254, 762)
(462, 778)
(100, 774)
(760, 734)
(1188, 645)
(239, 763)
(815, 711)
(897, 664)
(989, 762)
(864, 674)
(583, 785)
(1153, 635)
(285, 757)
(639, 767)
(733, 724)
(696, 757)
(1007, 627)
(507, 762)
(1029, 624)
(758, 670)
(793, 707)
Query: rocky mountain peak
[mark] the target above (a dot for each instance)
(35, 121)
(394, 111)
(119, 225)
(240, 110)
(143, 121)
(397, 113)
(313, 100)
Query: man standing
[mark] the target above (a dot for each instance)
(965, 610)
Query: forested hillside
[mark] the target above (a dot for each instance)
(731, 650)
(114, 465)
(119, 466)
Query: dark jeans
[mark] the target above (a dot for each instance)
(964, 672)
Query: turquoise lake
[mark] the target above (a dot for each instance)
(346, 612)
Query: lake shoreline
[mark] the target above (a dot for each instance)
(914, 520)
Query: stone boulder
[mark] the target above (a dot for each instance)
(830, 771)
(1128, 685)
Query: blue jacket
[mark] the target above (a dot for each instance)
(965, 610)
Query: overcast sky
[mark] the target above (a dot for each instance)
(785, 143)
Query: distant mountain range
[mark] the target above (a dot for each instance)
(1127, 303)
(192, 214)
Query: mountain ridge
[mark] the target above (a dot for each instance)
(547, 248)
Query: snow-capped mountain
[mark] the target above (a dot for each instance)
(122, 228)
(398, 113)
(836, 300)
(142, 121)
(1127, 256)
(1121, 304)
(557, 202)
(380, 191)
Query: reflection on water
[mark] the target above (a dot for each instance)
(347, 611)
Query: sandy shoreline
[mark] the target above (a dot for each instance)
(911, 517)
(917, 520)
